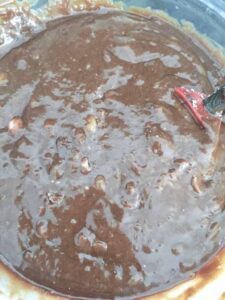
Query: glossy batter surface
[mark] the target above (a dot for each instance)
(107, 186)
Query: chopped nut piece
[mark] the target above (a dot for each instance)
(91, 124)
(15, 124)
(54, 199)
(100, 182)
(100, 247)
(130, 188)
(195, 184)
(49, 123)
(85, 166)
(80, 135)
(157, 148)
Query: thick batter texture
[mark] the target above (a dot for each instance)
(107, 186)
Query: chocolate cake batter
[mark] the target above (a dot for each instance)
(107, 186)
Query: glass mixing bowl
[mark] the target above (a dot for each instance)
(208, 17)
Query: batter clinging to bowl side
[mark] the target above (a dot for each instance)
(108, 188)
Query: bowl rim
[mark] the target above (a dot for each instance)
(207, 283)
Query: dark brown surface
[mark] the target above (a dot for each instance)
(108, 188)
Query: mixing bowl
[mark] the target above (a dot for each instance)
(208, 17)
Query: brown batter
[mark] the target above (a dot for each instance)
(107, 186)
